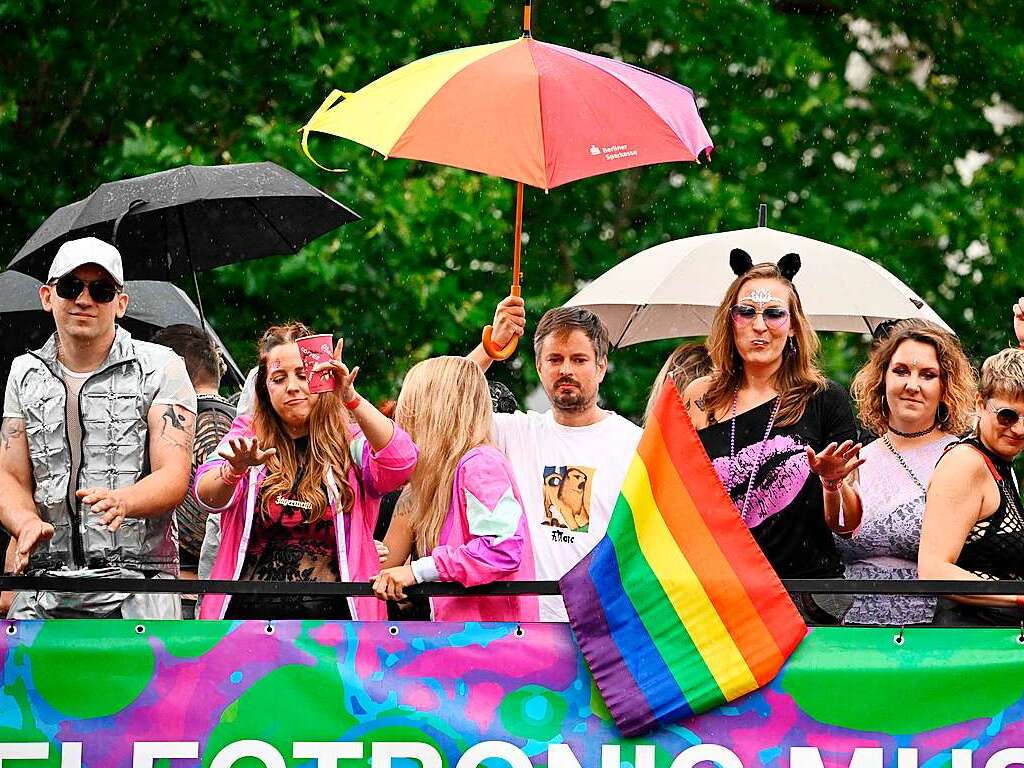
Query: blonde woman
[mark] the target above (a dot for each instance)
(780, 435)
(298, 488)
(916, 392)
(462, 514)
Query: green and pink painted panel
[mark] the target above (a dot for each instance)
(107, 694)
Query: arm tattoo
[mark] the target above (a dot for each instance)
(11, 429)
(175, 430)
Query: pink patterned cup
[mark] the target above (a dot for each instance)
(315, 349)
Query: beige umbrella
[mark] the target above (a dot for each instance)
(672, 290)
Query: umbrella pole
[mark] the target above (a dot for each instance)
(199, 297)
(493, 351)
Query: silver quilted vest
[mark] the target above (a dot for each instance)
(114, 404)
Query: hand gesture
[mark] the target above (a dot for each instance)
(382, 550)
(31, 535)
(342, 375)
(390, 583)
(243, 453)
(836, 461)
(509, 320)
(1018, 320)
(110, 504)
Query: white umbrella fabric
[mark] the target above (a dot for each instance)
(672, 290)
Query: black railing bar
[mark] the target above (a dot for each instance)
(447, 589)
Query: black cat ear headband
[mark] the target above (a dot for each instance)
(741, 263)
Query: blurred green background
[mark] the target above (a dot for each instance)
(889, 128)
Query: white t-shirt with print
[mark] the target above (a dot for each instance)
(569, 478)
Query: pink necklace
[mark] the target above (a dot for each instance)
(760, 451)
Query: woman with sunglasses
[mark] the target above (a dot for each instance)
(780, 435)
(973, 523)
(916, 392)
(298, 489)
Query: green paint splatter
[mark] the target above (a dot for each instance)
(533, 712)
(66, 655)
(860, 679)
(28, 731)
(188, 639)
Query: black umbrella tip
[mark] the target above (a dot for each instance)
(762, 215)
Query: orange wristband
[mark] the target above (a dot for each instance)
(353, 403)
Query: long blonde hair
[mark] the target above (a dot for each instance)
(797, 379)
(329, 447)
(445, 406)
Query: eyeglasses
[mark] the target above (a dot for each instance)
(774, 317)
(1006, 417)
(102, 291)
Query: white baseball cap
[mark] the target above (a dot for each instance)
(86, 250)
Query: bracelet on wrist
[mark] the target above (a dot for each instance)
(830, 485)
(353, 403)
(229, 476)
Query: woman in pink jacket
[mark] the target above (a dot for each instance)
(298, 488)
(462, 512)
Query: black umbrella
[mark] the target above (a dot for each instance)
(190, 219)
(152, 305)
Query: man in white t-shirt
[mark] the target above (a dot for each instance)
(95, 447)
(570, 461)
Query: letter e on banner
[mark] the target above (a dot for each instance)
(148, 752)
(327, 753)
(22, 750)
(383, 752)
(707, 753)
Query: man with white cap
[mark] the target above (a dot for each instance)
(95, 446)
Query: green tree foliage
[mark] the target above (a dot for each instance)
(888, 128)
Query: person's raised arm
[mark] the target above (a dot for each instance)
(509, 322)
(17, 507)
(377, 428)
(955, 501)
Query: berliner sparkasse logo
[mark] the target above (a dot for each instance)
(613, 151)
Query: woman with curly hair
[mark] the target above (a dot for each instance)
(780, 435)
(298, 488)
(916, 392)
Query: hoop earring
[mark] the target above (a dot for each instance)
(942, 412)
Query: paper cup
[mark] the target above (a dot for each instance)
(313, 350)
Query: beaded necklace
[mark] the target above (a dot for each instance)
(760, 451)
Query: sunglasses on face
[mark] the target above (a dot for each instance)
(70, 288)
(774, 317)
(1007, 417)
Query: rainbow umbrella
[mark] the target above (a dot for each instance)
(533, 112)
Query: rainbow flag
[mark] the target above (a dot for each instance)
(677, 610)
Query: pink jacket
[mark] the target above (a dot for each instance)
(485, 538)
(374, 475)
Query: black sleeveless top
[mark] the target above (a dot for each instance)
(994, 548)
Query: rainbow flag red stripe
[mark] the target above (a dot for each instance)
(677, 610)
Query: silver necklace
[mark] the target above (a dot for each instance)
(903, 463)
(760, 451)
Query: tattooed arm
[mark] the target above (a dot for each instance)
(171, 432)
(17, 508)
(693, 399)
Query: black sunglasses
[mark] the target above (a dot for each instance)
(102, 291)
(1006, 417)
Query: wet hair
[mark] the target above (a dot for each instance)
(563, 320)
(289, 473)
(202, 358)
(956, 409)
(1003, 374)
(797, 379)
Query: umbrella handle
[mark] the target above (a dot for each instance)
(493, 350)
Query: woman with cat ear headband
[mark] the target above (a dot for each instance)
(780, 435)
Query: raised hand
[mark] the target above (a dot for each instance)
(344, 377)
(509, 320)
(836, 461)
(243, 453)
(1018, 320)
